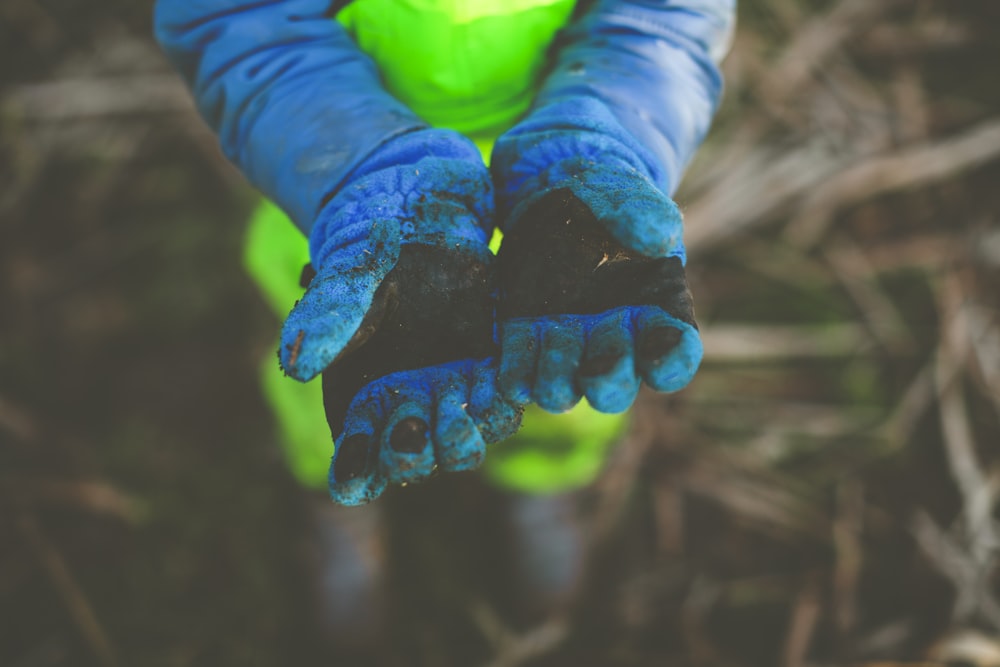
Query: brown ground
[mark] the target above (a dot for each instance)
(825, 492)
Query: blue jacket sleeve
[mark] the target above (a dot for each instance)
(296, 105)
(641, 74)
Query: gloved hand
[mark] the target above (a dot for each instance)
(404, 282)
(593, 297)
(583, 314)
(397, 215)
(403, 426)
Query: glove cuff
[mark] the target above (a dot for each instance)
(557, 144)
(431, 183)
(580, 148)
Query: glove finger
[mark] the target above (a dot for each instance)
(458, 445)
(519, 349)
(495, 415)
(406, 453)
(327, 317)
(668, 351)
(354, 477)
(556, 389)
(607, 371)
(635, 212)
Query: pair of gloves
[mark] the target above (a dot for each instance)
(428, 345)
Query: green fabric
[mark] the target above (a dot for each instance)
(274, 254)
(554, 453)
(468, 65)
(471, 66)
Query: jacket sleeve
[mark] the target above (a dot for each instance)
(296, 105)
(650, 69)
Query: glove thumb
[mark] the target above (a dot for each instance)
(335, 315)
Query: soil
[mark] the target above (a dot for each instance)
(558, 259)
(433, 307)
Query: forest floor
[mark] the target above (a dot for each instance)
(824, 493)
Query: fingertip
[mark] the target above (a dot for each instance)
(405, 451)
(607, 371)
(409, 436)
(614, 391)
(309, 340)
(495, 415)
(458, 445)
(657, 342)
(519, 347)
(294, 364)
(556, 388)
(673, 370)
(351, 458)
(352, 479)
(641, 217)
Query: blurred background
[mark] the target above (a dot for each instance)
(824, 493)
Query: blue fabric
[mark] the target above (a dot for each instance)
(630, 98)
(459, 402)
(302, 112)
(357, 237)
(296, 105)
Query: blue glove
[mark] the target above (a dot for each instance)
(593, 298)
(403, 427)
(397, 214)
(433, 306)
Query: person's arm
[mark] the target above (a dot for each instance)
(583, 185)
(398, 216)
(634, 82)
(295, 104)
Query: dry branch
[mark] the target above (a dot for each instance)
(512, 649)
(806, 613)
(756, 499)
(89, 495)
(974, 600)
(733, 343)
(72, 595)
(908, 168)
(98, 97)
(819, 183)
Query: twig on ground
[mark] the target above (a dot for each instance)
(959, 440)
(927, 252)
(881, 314)
(513, 649)
(984, 333)
(910, 105)
(703, 595)
(848, 554)
(96, 97)
(815, 41)
(892, 171)
(890, 40)
(734, 343)
(763, 501)
(775, 84)
(897, 429)
(805, 617)
(93, 496)
(973, 598)
(72, 595)
(756, 189)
